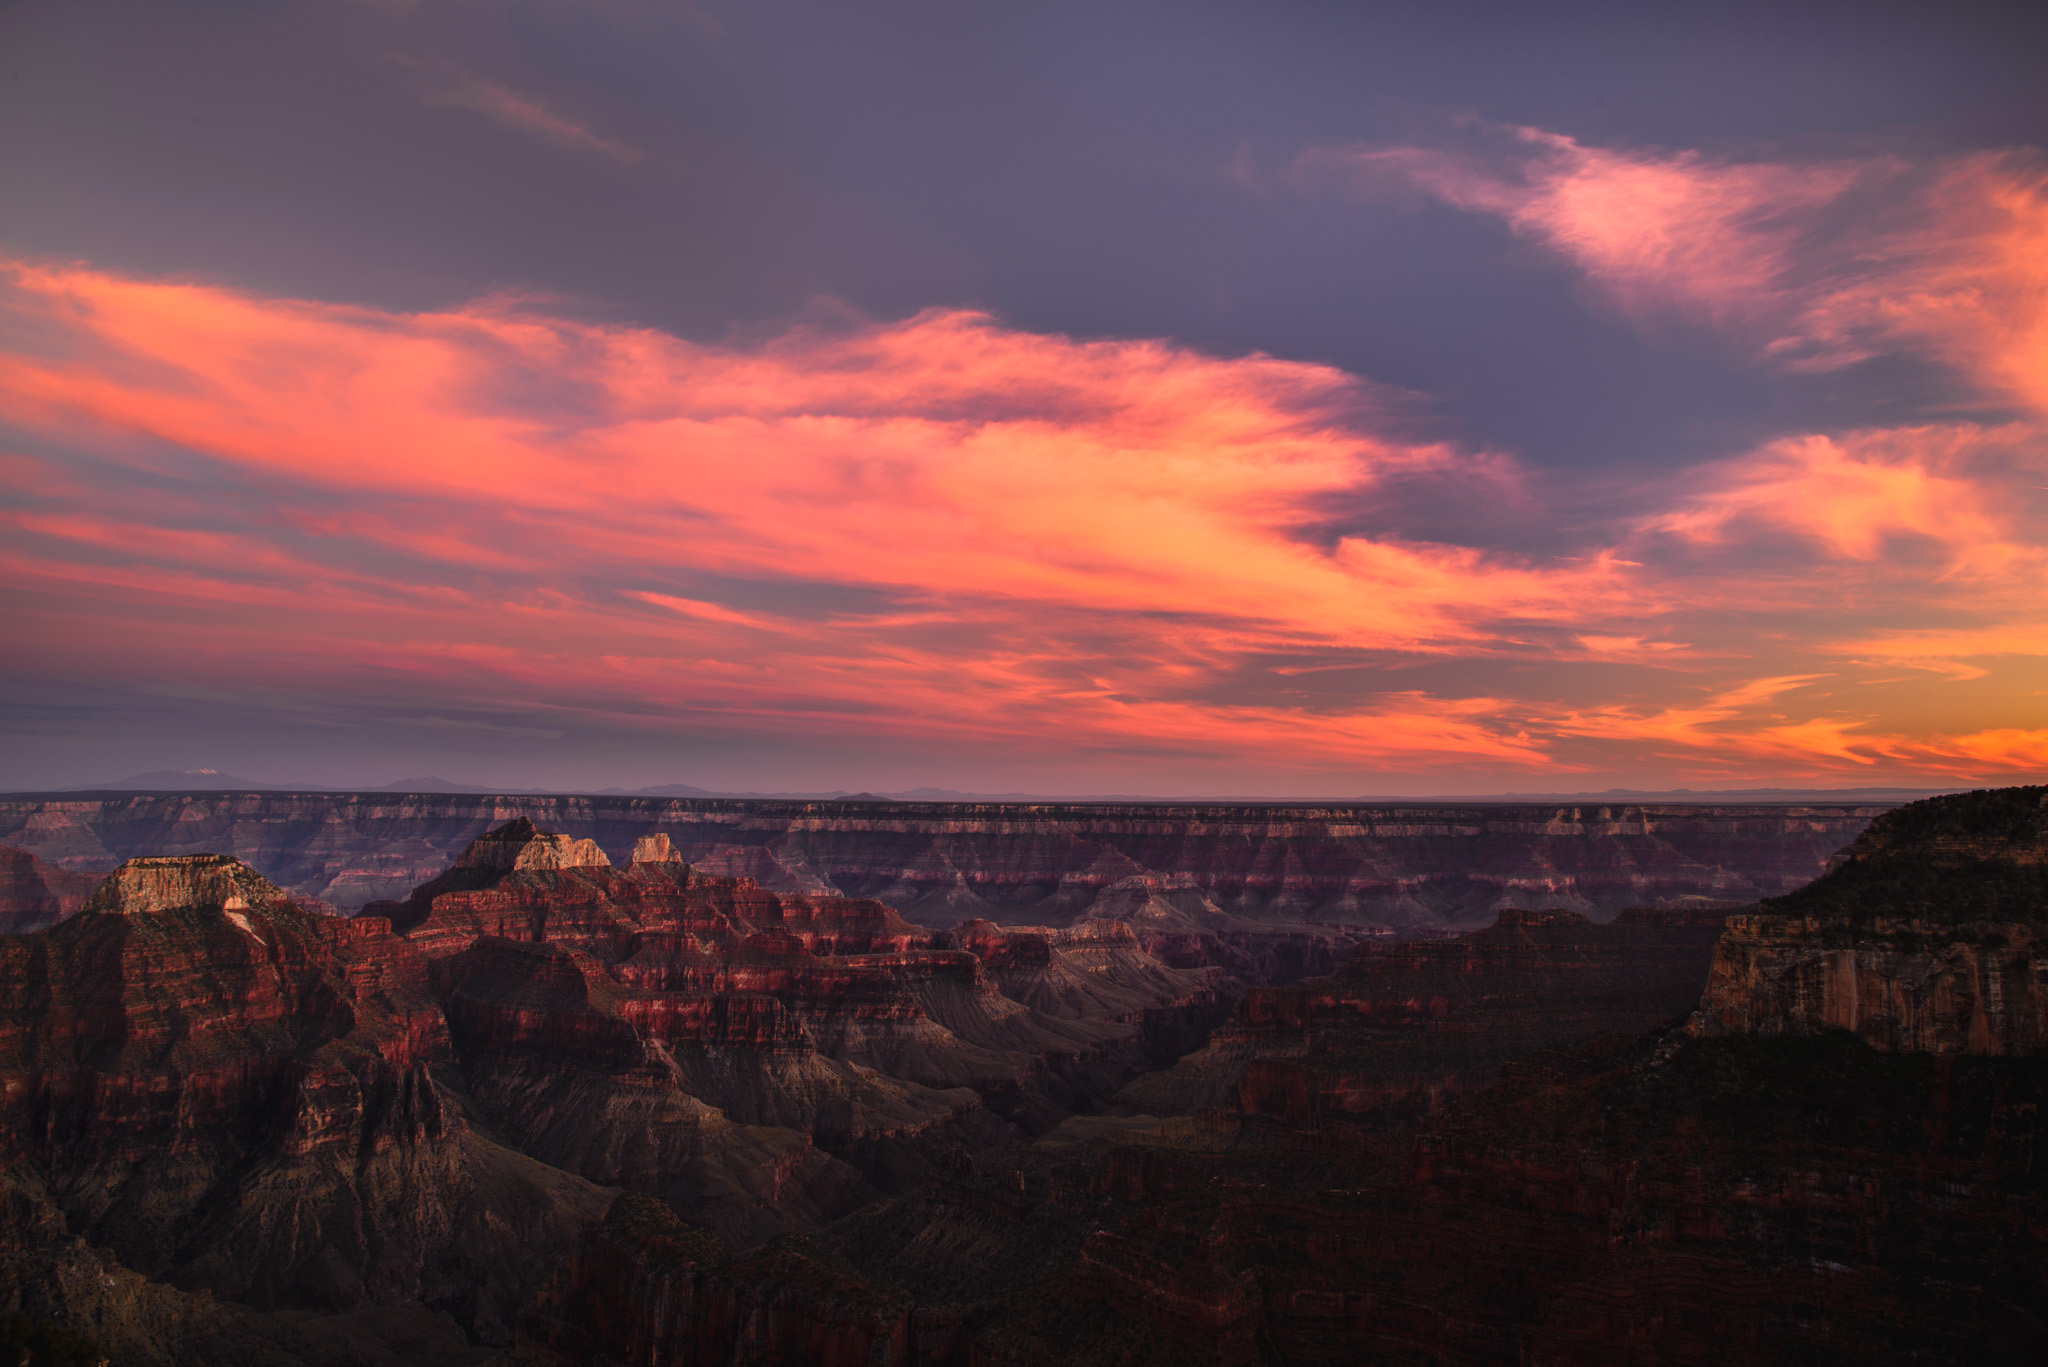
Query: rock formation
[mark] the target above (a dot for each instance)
(221, 1092)
(1192, 872)
(230, 1094)
(1932, 934)
(1765, 1190)
(596, 1113)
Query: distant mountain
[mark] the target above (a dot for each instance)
(691, 790)
(187, 781)
(437, 785)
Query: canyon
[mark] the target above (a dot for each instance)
(1165, 869)
(1800, 1183)
(574, 1098)
(225, 1112)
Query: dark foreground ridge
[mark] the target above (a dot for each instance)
(1165, 869)
(553, 1109)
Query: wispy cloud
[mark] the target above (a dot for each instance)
(446, 85)
(950, 532)
(1817, 263)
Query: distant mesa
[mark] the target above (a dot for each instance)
(182, 882)
(1258, 870)
(1696, 796)
(431, 785)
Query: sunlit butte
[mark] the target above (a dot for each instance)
(585, 435)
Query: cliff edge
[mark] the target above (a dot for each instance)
(1927, 936)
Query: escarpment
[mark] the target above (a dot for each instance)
(1224, 885)
(1930, 935)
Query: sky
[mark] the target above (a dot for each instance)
(1279, 399)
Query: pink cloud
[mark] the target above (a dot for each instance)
(1816, 263)
(940, 531)
(445, 85)
(1065, 537)
(1971, 493)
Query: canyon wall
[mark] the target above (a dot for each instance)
(1838, 1158)
(35, 895)
(635, 1112)
(1405, 1027)
(1930, 935)
(1167, 870)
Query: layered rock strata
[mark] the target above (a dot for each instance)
(1931, 935)
(827, 1015)
(1190, 871)
(1404, 1027)
(1779, 1192)
(232, 1095)
(223, 1092)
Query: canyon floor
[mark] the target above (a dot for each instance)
(568, 1097)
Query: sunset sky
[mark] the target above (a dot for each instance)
(1273, 399)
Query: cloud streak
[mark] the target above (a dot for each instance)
(446, 85)
(1817, 264)
(944, 532)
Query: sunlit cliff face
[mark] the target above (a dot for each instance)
(945, 535)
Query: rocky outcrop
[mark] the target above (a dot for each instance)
(35, 895)
(1191, 871)
(830, 1015)
(1405, 1026)
(1931, 935)
(298, 1114)
(231, 1094)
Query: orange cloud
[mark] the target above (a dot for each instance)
(1962, 488)
(1675, 230)
(942, 532)
(1754, 729)
(943, 454)
(1045, 535)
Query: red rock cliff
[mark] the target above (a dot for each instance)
(1931, 935)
